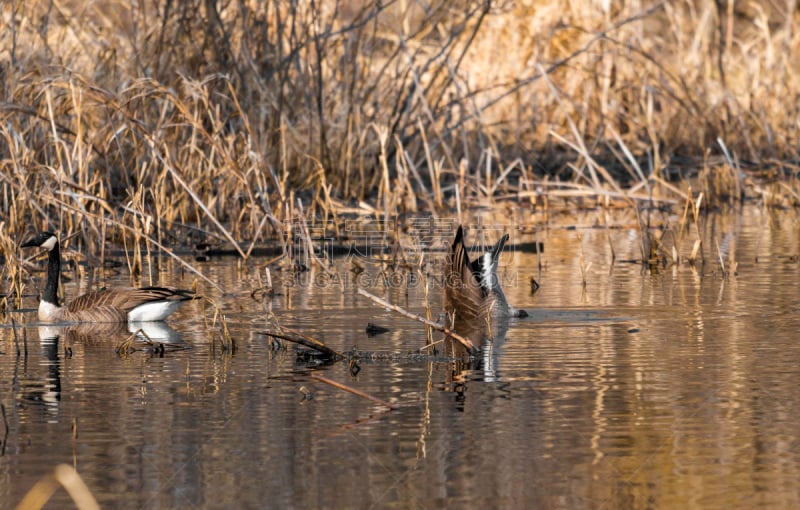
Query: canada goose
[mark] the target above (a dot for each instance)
(111, 305)
(472, 289)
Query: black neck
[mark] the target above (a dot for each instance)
(53, 273)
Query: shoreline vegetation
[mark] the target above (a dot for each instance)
(157, 124)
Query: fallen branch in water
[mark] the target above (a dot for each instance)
(65, 476)
(352, 390)
(306, 341)
(463, 341)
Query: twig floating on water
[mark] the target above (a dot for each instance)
(466, 342)
(307, 341)
(352, 390)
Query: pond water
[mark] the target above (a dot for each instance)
(668, 386)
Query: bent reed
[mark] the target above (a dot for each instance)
(233, 122)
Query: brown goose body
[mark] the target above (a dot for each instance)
(474, 300)
(121, 304)
(472, 289)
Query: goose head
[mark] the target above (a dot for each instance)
(46, 240)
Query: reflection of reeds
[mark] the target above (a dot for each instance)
(16, 338)
(665, 244)
(4, 441)
(698, 243)
(62, 476)
(429, 342)
(217, 327)
(584, 267)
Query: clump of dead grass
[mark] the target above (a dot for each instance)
(233, 122)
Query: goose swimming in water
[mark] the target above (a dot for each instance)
(147, 304)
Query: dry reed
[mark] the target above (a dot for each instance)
(245, 121)
(62, 476)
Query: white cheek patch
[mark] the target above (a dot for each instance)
(50, 243)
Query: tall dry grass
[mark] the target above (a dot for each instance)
(161, 122)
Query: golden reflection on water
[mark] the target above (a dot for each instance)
(663, 387)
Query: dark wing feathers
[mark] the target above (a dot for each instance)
(461, 263)
(125, 299)
(463, 290)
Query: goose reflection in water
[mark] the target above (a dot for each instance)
(109, 333)
(58, 339)
(483, 364)
(45, 392)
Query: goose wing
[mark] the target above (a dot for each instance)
(460, 265)
(464, 291)
(113, 305)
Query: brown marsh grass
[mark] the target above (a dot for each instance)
(153, 124)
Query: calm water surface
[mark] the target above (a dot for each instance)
(667, 388)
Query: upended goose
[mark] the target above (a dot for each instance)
(473, 290)
(123, 304)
